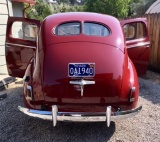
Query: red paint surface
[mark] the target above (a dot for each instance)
(140, 55)
(18, 57)
(115, 73)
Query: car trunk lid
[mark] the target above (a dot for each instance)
(104, 87)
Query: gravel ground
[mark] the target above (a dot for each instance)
(145, 127)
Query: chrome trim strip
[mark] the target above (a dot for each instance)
(147, 44)
(20, 45)
(126, 114)
(80, 116)
(82, 82)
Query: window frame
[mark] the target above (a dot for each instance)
(135, 39)
(55, 30)
(34, 39)
(98, 23)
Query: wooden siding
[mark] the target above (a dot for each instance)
(2, 51)
(3, 9)
(154, 32)
(3, 1)
(3, 19)
(3, 22)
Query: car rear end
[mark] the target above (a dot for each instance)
(83, 68)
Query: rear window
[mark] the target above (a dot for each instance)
(134, 31)
(95, 29)
(89, 28)
(73, 28)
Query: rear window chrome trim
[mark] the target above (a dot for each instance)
(101, 24)
(54, 30)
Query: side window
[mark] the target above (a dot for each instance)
(73, 28)
(134, 31)
(25, 31)
(95, 29)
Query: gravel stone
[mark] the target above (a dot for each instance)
(144, 127)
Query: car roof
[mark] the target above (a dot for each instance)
(116, 38)
(82, 16)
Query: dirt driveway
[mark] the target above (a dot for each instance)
(15, 126)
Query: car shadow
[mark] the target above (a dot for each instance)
(87, 131)
(3, 95)
(71, 131)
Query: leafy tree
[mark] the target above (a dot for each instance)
(72, 2)
(83, 1)
(39, 11)
(140, 7)
(63, 1)
(66, 8)
(117, 8)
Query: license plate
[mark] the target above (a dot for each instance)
(81, 69)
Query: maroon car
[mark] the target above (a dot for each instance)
(78, 66)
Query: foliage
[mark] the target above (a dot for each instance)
(140, 7)
(62, 1)
(72, 2)
(66, 8)
(39, 11)
(42, 9)
(117, 8)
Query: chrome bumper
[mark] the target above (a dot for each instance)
(55, 116)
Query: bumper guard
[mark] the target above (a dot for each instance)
(55, 116)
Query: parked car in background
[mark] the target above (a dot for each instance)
(78, 66)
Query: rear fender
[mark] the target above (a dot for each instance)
(129, 98)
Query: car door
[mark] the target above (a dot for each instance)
(137, 42)
(21, 43)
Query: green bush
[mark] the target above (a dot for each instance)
(117, 8)
(39, 11)
(58, 8)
